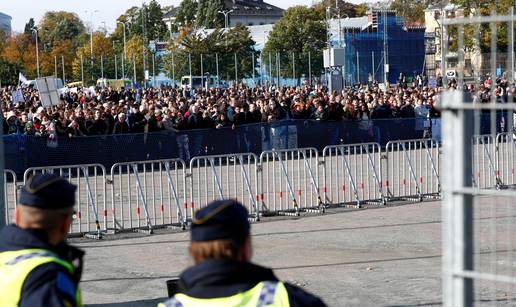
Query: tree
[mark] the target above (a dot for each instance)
(345, 8)
(298, 21)
(185, 14)
(102, 49)
(156, 27)
(29, 26)
(410, 10)
(21, 52)
(59, 26)
(216, 45)
(207, 13)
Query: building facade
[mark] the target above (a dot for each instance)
(5, 23)
(245, 12)
(252, 12)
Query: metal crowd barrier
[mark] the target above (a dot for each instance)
(352, 174)
(10, 194)
(90, 180)
(290, 180)
(148, 194)
(506, 156)
(233, 176)
(485, 170)
(413, 169)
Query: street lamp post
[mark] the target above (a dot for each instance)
(125, 51)
(37, 50)
(116, 67)
(91, 40)
(226, 16)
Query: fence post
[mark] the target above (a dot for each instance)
(310, 67)
(236, 69)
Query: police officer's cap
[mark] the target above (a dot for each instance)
(48, 191)
(222, 219)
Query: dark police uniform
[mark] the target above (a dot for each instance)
(33, 272)
(219, 282)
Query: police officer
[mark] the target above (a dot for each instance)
(223, 274)
(37, 267)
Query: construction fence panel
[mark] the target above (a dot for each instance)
(10, 194)
(90, 180)
(232, 176)
(506, 157)
(413, 169)
(352, 174)
(148, 194)
(485, 169)
(290, 180)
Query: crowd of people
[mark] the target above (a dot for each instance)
(101, 111)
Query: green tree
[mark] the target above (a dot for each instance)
(156, 27)
(217, 45)
(59, 26)
(185, 14)
(29, 26)
(298, 21)
(207, 13)
(102, 49)
(345, 8)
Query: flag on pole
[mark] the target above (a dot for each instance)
(21, 79)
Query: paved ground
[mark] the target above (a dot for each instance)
(375, 257)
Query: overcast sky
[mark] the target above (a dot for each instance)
(108, 10)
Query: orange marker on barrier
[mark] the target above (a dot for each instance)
(105, 212)
(280, 194)
(79, 215)
(421, 179)
(162, 208)
(299, 192)
(138, 211)
(185, 205)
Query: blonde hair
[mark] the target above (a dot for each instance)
(217, 249)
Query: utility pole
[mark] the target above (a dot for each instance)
(91, 41)
(116, 71)
(37, 50)
(55, 66)
(125, 51)
(102, 66)
(385, 47)
(310, 68)
(82, 71)
(64, 75)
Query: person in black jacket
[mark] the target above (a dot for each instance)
(223, 274)
(121, 125)
(37, 267)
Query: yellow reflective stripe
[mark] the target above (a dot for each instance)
(15, 266)
(250, 298)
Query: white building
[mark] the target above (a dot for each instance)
(245, 12)
(5, 23)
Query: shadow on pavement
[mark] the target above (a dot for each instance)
(143, 303)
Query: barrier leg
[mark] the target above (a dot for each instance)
(289, 185)
(434, 168)
(499, 184)
(412, 173)
(142, 197)
(216, 177)
(375, 176)
(249, 188)
(92, 203)
(314, 184)
(182, 219)
(350, 175)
